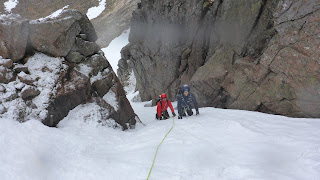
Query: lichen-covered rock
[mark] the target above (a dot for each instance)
(14, 32)
(75, 57)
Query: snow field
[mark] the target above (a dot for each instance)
(218, 144)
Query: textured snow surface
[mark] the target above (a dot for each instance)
(44, 71)
(218, 144)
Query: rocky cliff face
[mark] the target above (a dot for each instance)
(255, 55)
(51, 65)
(109, 24)
(114, 20)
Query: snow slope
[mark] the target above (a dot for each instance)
(218, 144)
(112, 52)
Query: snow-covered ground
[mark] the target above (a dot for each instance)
(112, 52)
(94, 12)
(217, 144)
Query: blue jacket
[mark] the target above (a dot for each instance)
(186, 102)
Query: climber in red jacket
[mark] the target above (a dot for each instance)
(162, 107)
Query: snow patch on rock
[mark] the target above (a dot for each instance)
(88, 115)
(84, 69)
(10, 4)
(111, 99)
(54, 14)
(46, 69)
(94, 12)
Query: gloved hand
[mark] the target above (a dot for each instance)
(197, 113)
(174, 114)
(179, 117)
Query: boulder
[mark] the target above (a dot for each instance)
(29, 92)
(96, 63)
(75, 57)
(19, 86)
(14, 32)
(86, 48)
(74, 89)
(124, 114)
(7, 63)
(27, 79)
(103, 85)
(57, 35)
(6, 75)
(2, 89)
(21, 68)
(85, 24)
(2, 109)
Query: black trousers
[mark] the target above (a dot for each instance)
(165, 115)
(188, 110)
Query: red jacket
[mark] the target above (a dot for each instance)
(165, 105)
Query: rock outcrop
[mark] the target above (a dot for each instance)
(109, 24)
(13, 36)
(114, 20)
(63, 68)
(254, 55)
(57, 35)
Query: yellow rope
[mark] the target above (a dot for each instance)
(158, 149)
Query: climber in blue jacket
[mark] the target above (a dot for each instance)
(185, 101)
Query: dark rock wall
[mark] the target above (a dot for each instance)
(255, 55)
